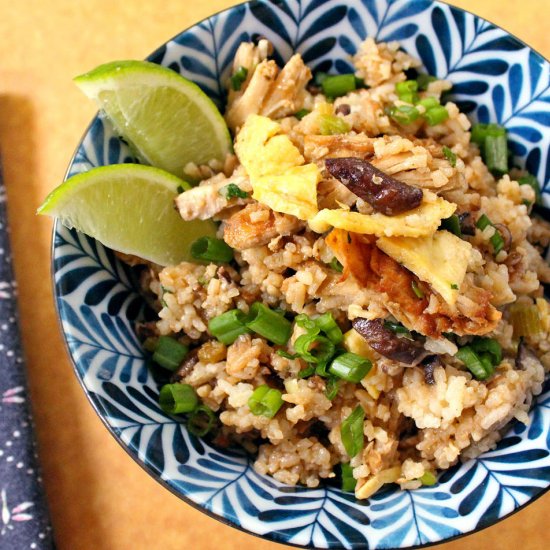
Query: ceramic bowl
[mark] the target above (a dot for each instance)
(496, 78)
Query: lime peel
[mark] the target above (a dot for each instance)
(167, 120)
(129, 208)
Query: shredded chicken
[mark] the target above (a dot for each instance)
(267, 90)
(256, 225)
(373, 269)
(205, 201)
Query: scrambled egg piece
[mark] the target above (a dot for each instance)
(440, 260)
(418, 222)
(276, 168)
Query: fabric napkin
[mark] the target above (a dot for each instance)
(24, 519)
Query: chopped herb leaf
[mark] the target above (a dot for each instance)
(239, 76)
(233, 191)
(450, 156)
(454, 286)
(301, 113)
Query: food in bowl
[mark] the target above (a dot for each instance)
(372, 307)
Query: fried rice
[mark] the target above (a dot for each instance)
(419, 417)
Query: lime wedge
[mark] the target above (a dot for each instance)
(167, 120)
(129, 208)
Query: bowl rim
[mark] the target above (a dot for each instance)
(270, 535)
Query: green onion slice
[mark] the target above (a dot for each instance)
(350, 367)
(307, 372)
(436, 115)
(169, 353)
(301, 113)
(452, 224)
(532, 181)
(428, 479)
(496, 154)
(496, 240)
(336, 265)
(201, 421)
(407, 91)
(209, 249)
(351, 431)
(265, 401)
(417, 290)
(398, 328)
(480, 132)
(449, 155)
(473, 362)
(404, 114)
(314, 348)
(424, 80)
(228, 326)
(332, 386)
(269, 324)
(330, 125)
(319, 78)
(488, 345)
(339, 85)
(239, 76)
(303, 321)
(429, 102)
(328, 325)
(178, 398)
(348, 481)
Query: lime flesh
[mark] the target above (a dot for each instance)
(168, 120)
(129, 208)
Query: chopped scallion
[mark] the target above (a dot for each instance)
(496, 239)
(305, 373)
(336, 265)
(339, 85)
(436, 115)
(169, 353)
(332, 386)
(496, 154)
(350, 367)
(351, 431)
(348, 481)
(301, 113)
(319, 78)
(454, 286)
(480, 131)
(404, 114)
(398, 328)
(449, 155)
(473, 362)
(314, 348)
(329, 326)
(303, 321)
(228, 326)
(330, 125)
(265, 401)
(201, 421)
(428, 479)
(239, 76)
(429, 103)
(424, 81)
(209, 249)
(269, 324)
(407, 91)
(178, 398)
(532, 181)
(488, 345)
(417, 290)
(452, 224)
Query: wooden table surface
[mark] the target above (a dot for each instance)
(99, 498)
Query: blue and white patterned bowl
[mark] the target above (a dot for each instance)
(496, 78)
